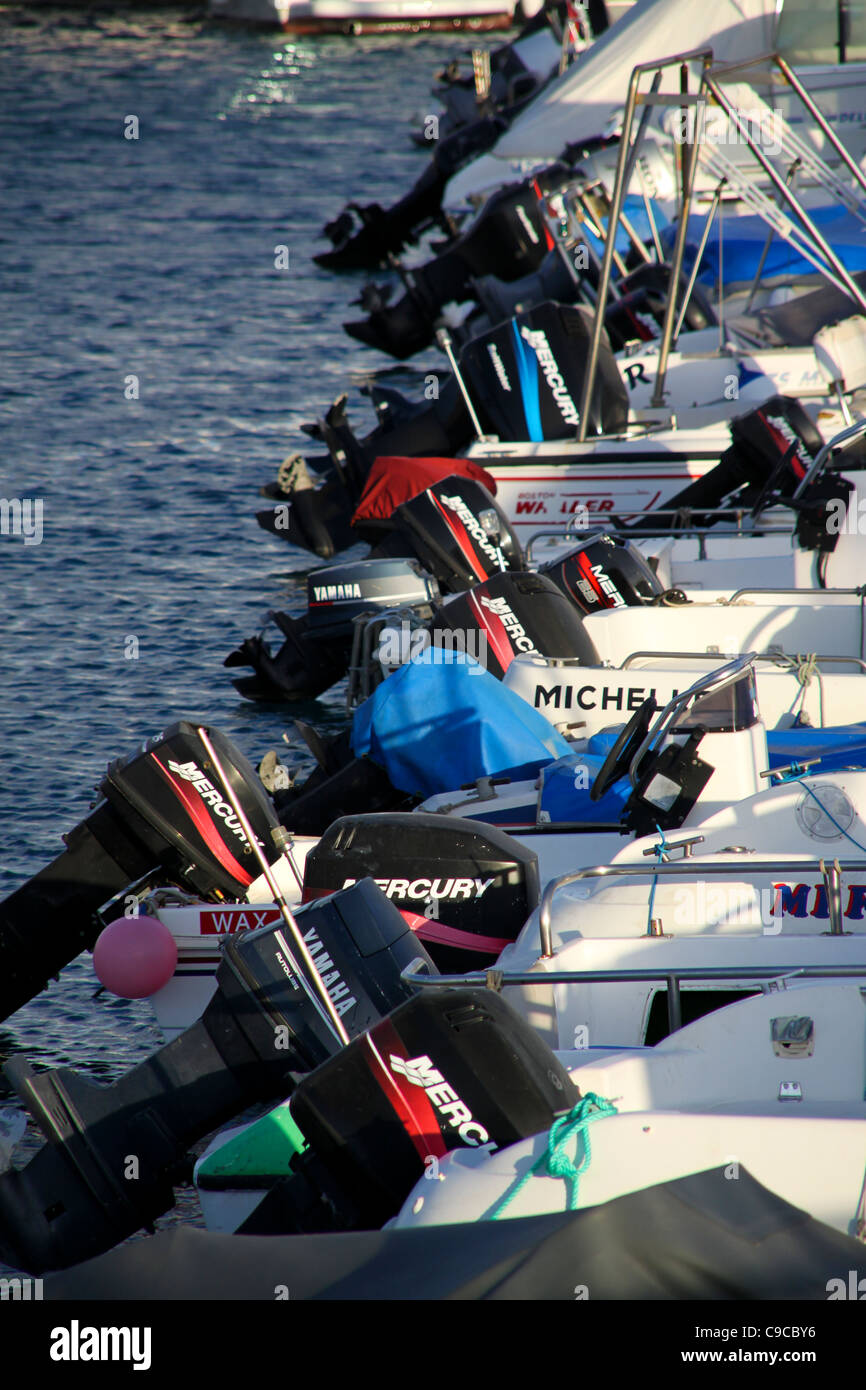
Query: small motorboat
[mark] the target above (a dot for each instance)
(769, 1085)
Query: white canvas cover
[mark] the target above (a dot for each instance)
(585, 99)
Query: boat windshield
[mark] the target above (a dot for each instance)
(723, 711)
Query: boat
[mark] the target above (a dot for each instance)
(372, 16)
(578, 438)
(590, 99)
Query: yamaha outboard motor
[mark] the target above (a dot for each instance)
(457, 531)
(604, 573)
(161, 816)
(114, 1152)
(514, 614)
(317, 645)
(507, 239)
(467, 887)
(451, 1068)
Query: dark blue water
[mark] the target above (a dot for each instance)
(154, 258)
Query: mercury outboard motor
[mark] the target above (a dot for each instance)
(773, 447)
(515, 614)
(114, 1152)
(457, 531)
(526, 376)
(604, 573)
(160, 817)
(507, 239)
(450, 1069)
(466, 887)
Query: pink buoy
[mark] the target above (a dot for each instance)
(135, 956)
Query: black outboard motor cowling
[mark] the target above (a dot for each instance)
(604, 573)
(510, 615)
(162, 813)
(526, 376)
(501, 299)
(114, 1152)
(507, 239)
(450, 1069)
(638, 313)
(469, 884)
(459, 531)
(773, 446)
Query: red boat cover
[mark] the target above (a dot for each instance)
(395, 480)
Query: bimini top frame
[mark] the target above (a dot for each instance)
(709, 90)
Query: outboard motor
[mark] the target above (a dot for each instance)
(466, 887)
(79, 1196)
(160, 817)
(773, 447)
(449, 1069)
(364, 237)
(552, 280)
(319, 516)
(457, 531)
(507, 239)
(639, 310)
(526, 376)
(514, 614)
(604, 573)
(317, 645)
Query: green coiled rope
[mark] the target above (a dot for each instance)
(556, 1161)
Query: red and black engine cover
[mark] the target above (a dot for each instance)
(460, 533)
(449, 1069)
(604, 573)
(515, 614)
(168, 793)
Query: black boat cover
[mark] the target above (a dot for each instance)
(706, 1236)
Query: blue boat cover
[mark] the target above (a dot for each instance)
(743, 238)
(443, 720)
